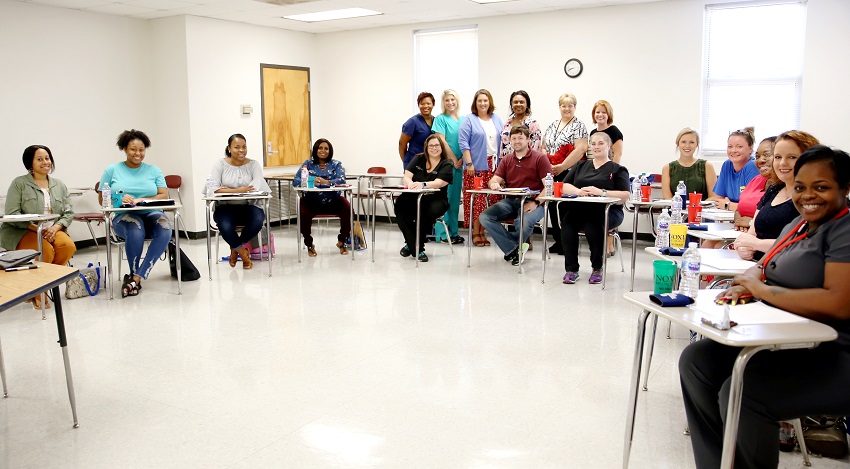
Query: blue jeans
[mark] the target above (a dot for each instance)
(229, 216)
(503, 210)
(133, 228)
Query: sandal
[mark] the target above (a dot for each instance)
(485, 240)
(246, 258)
(130, 287)
(477, 240)
(311, 251)
(233, 257)
(342, 249)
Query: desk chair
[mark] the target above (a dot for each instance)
(214, 230)
(89, 217)
(173, 181)
(365, 195)
(445, 227)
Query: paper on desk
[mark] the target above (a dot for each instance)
(748, 314)
(727, 234)
(18, 215)
(252, 193)
(729, 264)
(515, 189)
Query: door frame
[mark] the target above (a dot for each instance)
(263, 102)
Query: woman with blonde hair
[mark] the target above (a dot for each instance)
(446, 127)
(697, 175)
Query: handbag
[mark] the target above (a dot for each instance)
(86, 283)
(188, 271)
(826, 436)
(258, 254)
(358, 237)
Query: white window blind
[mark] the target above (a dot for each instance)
(446, 58)
(753, 70)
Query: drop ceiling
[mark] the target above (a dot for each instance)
(271, 12)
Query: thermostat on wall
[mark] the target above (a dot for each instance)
(247, 109)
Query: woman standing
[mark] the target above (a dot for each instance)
(603, 116)
(416, 129)
(238, 174)
(737, 171)
(327, 171)
(446, 126)
(697, 175)
(775, 209)
(132, 181)
(430, 170)
(565, 141)
(35, 193)
(520, 115)
(478, 139)
(597, 177)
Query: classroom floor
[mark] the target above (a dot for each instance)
(332, 363)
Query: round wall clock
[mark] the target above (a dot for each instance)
(573, 68)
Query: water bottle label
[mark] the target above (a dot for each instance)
(663, 226)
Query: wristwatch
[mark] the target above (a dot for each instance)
(604, 192)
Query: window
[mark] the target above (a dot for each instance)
(754, 68)
(446, 58)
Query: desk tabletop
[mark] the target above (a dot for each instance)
(723, 231)
(139, 208)
(505, 193)
(210, 198)
(722, 262)
(804, 331)
(20, 217)
(281, 177)
(347, 187)
(717, 214)
(20, 285)
(590, 199)
(403, 191)
(373, 175)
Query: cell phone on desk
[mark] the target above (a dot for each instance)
(126, 205)
(569, 196)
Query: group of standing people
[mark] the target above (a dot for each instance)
(478, 143)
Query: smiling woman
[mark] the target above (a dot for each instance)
(738, 170)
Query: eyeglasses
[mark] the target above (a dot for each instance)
(435, 145)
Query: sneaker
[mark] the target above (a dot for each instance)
(405, 251)
(510, 256)
(570, 278)
(458, 240)
(520, 256)
(595, 277)
(422, 257)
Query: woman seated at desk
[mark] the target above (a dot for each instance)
(429, 170)
(775, 209)
(698, 175)
(131, 181)
(752, 194)
(238, 174)
(37, 193)
(595, 177)
(804, 273)
(737, 171)
(327, 171)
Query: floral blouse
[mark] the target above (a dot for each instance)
(333, 172)
(533, 129)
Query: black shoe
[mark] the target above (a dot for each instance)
(556, 249)
(405, 251)
(422, 257)
(430, 238)
(458, 240)
(511, 255)
(515, 260)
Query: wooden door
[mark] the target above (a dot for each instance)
(286, 114)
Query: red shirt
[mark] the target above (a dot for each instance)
(527, 171)
(751, 195)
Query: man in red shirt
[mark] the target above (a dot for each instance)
(522, 168)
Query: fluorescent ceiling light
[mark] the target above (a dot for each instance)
(333, 15)
(490, 1)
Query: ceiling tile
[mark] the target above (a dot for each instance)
(120, 9)
(158, 4)
(74, 4)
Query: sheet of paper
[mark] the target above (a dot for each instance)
(748, 314)
(728, 264)
(18, 215)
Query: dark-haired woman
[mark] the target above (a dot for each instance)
(327, 171)
(237, 174)
(416, 129)
(521, 115)
(429, 170)
(36, 193)
(131, 181)
(804, 273)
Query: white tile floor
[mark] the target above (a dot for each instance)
(333, 363)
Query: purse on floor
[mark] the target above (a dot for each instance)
(826, 436)
(86, 283)
(188, 271)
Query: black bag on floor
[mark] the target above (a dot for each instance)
(188, 271)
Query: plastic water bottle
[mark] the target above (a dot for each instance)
(548, 185)
(676, 209)
(304, 175)
(209, 187)
(689, 283)
(662, 229)
(106, 194)
(682, 190)
(635, 197)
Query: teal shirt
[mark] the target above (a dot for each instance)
(444, 124)
(140, 182)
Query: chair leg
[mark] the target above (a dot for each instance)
(387, 208)
(620, 250)
(3, 373)
(217, 255)
(446, 227)
(798, 430)
(97, 246)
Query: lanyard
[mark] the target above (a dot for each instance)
(785, 242)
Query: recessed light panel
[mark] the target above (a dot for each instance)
(329, 15)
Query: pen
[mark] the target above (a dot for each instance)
(27, 267)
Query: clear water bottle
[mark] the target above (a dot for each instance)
(691, 261)
(548, 185)
(662, 230)
(682, 190)
(635, 196)
(106, 194)
(210, 187)
(676, 209)
(304, 175)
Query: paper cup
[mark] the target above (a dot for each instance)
(678, 235)
(558, 189)
(311, 181)
(694, 198)
(478, 182)
(645, 192)
(664, 273)
(695, 213)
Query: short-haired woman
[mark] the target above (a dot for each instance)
(752, 194)
(35, 193)
(479, 141)
(327, 171)
(429, 170)
(804, 273)
(416, 129)
(603, 116)
(738, 170)
(521, 115)
(238, 174)
(131, 181)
